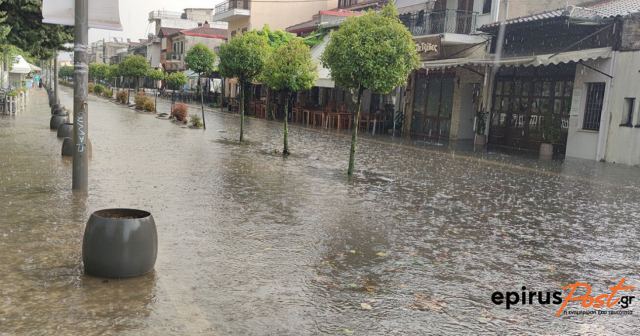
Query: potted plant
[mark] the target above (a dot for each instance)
(481, 126)
(550, 136)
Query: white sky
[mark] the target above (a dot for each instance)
(134, 15)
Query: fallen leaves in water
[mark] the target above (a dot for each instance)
(365, 306)
(423, 303)
(347, 331)
(381, 254)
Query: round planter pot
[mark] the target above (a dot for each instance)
(59, 110)
(119, 243)
(65, 130)
(57, 120)
(546, 151)
(67, 147)
(480, 140)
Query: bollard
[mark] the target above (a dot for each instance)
(119, 243)
(58, 109)
(57, 120)
(65, 130)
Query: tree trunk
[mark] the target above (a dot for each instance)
(129, 92)
(204, 123)
(241, 110)
(354, 133)
(155, 104)
(285, 150)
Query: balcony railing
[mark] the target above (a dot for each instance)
(172, 56)
(232, 4)
(439, 22)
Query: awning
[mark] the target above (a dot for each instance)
(324, 74)
(20, 66)
(103, 14)
(539, 60)
(35, 68)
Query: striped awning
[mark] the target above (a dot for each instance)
(535, 61)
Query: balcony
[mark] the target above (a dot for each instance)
(232, 10)
(163, 14)
(440, 22)
(173, 56)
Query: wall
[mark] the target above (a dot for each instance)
(518, 8)
(623, 143)
(584, 143)
(211, 43)
(280, 15)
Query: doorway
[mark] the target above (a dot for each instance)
(432, 105)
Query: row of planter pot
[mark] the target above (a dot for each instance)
(117, 243)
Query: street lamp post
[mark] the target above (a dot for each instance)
(80, 93)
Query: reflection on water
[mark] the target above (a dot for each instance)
(253, 244)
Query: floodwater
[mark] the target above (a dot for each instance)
(253, 244)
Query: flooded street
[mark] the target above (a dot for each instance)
(253, 244)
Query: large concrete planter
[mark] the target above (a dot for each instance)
(57, 120)
(58, 109)
(546, 151)
(119, 243)
(65, 130)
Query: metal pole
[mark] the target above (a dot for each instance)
(55, 77)
(80, 92)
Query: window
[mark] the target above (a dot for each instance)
(627, 112)
(593, 106)
(233, 33)
(486, 8)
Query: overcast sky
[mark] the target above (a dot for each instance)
(134, 15)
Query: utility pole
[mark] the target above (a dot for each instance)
(80, 92)
(55, 79)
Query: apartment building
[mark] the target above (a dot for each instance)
(177, 42)
(245, 15)
(103, 50)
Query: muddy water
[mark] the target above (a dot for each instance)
(251, 244)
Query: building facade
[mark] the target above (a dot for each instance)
(245, 15)
(177, 43)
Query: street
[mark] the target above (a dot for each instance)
(254, 244)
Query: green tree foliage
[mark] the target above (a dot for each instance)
(243, 58)
(133, 67)
(289, 68)
(275, 38)
(98, 71)
(201, 60)
(374, 51)
(65, 71)
(24, 19)
(156, 75)
(176, 80)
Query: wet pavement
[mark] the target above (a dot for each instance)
(253, 244)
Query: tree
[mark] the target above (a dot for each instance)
(374, 51)
(133, 67)
(156, 75)
(289, 68)
(243, 58)
(98, 71)
(65, 71)
(176, 80)
(24, 19)
(200, 60)
(275, 38)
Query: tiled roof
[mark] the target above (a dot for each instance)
(601, 9)
(166, 31)
(610, 8)
(205, 31)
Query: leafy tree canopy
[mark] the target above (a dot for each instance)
(275, 38)
(176, 80)
(373, 51)
(200, 59)
(24, 19)
(244, 56)
(133, 66)
(65, 71)
(290, 67)
(156, 74)
(98, 71)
